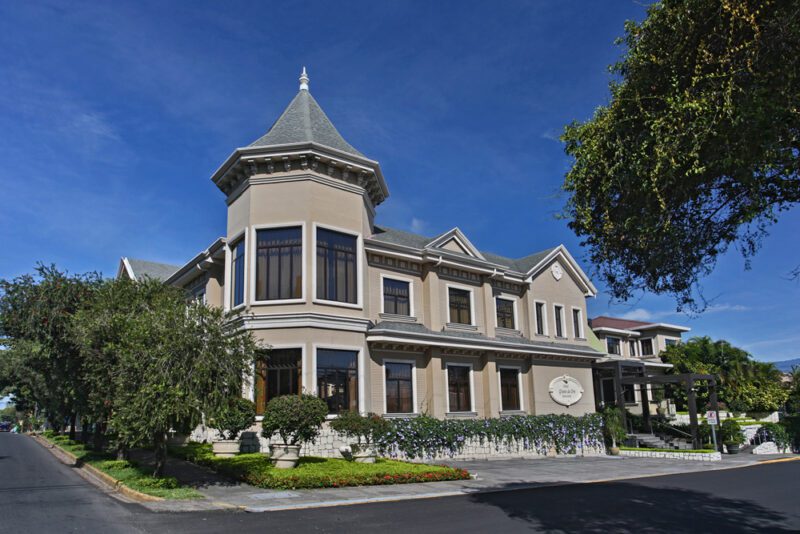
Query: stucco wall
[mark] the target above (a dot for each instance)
(544, 372)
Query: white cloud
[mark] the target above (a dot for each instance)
(641, 314)
(418, 225)
(715, 308)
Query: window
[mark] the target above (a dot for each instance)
(629, 393)
(613, 345)
(540, 318)
(577, 322)
(399, 387)
(632, 347)
(607, 391)
(337, 379)
(509, 389)
(460, 311)
(396, 297)
(337, 267)
(237, 268)
(559, 311)
(505, 313)
(647, 347)
(671, 342)
(279, 263)
(458, 386)
(279, 375)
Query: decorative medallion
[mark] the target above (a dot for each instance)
(566, 390)
(557, 271)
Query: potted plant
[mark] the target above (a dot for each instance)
(296, 419)
(364, 429)
(613, 428)
(732, 436)
(231, 419)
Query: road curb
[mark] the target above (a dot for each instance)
(97, 475)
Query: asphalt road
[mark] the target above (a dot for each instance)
(39, 494)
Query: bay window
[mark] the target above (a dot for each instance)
(337, 379)
(237, 273)
(280, 374)
(279, 263)
(337, 266)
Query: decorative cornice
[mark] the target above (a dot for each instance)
(302, 320)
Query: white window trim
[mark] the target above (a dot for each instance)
(253, 263)
(303, 380)
(563, 335)
(410, 291)
(580, 334)
(518, 369)
(516, 315)
(653, 346)
(359, 267)
(448, 365)
(413, 385)
(472, 313)
(229, 274)
(361, 371)
(620, 345)
(636, 352)
(546, 332)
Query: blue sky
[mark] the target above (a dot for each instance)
(113, 115)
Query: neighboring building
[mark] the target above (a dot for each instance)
(381, 320)
(634, 346)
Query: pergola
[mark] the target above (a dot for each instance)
(640, 377)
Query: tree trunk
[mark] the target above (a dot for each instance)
(72, 420)
(84, 431)
(122, 452)
(160, 449)
(97, 441)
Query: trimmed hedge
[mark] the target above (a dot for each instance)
(257, 470)
(428, 437)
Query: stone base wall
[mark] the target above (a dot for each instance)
(677, 455)
(328, 443)
(769, 447)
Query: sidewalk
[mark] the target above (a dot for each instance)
(495, 475)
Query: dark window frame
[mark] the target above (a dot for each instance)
(394, 399)
(503, 316)
(577, 323)
(618, 345)
(558, 312)
(238, 254)
(460, 305)
(632, 348)
(345, 377)
(273, 254)
(539, 312)
(642, 345)
(333, 254)
(463, 389)
(394, 301)
(264, 372)
(507, 385)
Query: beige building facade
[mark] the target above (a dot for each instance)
(376, 319)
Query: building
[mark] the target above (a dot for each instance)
(376, 319)
(633, 348)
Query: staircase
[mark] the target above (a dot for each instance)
(651, 441)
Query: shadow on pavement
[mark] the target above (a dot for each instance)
(627, 507)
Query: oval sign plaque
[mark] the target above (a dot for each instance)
(566, 390)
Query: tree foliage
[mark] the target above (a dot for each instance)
(745, 385)
(698, 148)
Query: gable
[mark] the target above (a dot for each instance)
(454, 246)
(455, 241)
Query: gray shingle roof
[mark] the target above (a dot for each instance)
(151, 269)
(523, 343)
(303, 121)
(403, 238)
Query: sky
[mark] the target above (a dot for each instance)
(114, 115)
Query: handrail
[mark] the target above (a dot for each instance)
(672, 428)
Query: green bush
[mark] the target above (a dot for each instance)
(613, 429)
(775, 432)
(296, 419)
(731, 432)
(238, 415)
(364, 429)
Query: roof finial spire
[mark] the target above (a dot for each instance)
(304, 80)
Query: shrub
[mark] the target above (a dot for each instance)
(296, 419)
(367, 428)
(238, 415)
(613, 429)
(731, 432)
(775, 432)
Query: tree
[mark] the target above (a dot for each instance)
(698, 149)
(173, 361)
(745, 385)
(43, 362)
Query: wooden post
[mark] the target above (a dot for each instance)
(691, 397)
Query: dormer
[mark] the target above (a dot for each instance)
(302, 139)
(456, 242)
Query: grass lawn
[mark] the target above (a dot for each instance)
(129, 473)
(256, 469)
(696, 451)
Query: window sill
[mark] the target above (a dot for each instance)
(337, 304)
(509, 413)
(277, 302)
(400, 415)
(543, 336)
(580, 339)
(398, 318)
(461, 415)
(463, 327)
(508, 332)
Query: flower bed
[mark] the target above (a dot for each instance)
(428, 437)
(312, 472)
(126, 472)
